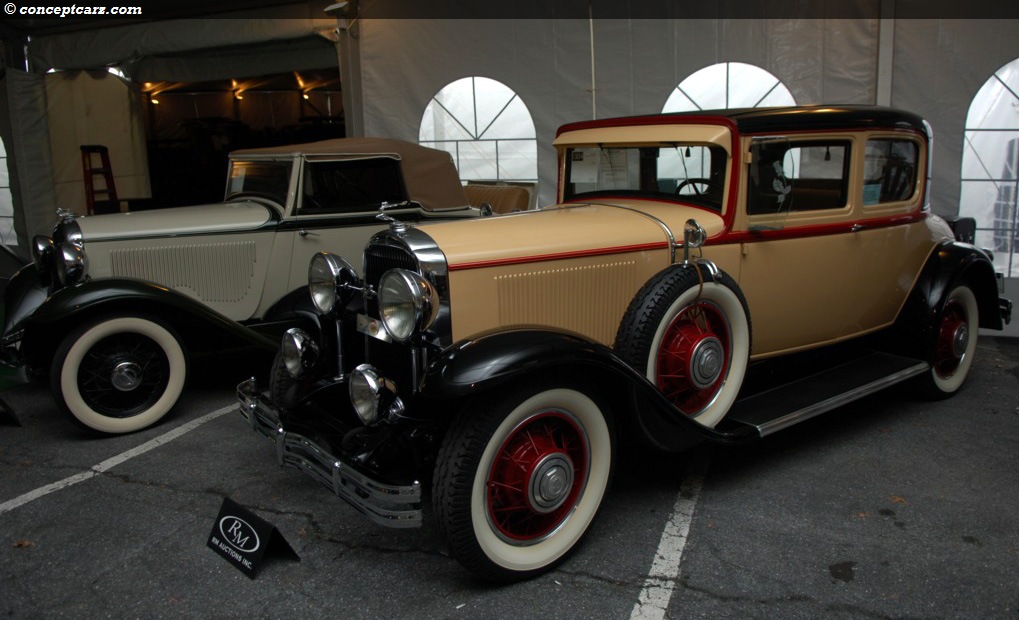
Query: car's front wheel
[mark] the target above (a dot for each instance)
(519, 478)
(955, 343)
(118, 374)
(688, 331)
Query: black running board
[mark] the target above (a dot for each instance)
(788, 404)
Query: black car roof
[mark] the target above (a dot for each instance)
(779, 119)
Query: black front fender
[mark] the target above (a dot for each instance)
(475, 367)
(202, 328)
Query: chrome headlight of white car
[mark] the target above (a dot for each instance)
(71, 264)
(408, 303)
(325, 273)
(42, 253)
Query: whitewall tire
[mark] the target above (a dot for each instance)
(119, 374)
(520, 478)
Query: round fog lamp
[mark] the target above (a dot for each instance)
(365, 387)
(299, 352)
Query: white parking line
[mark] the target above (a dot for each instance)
(112, 462)
(661, 581)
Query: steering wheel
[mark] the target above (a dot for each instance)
(693, 183)
(261, 195)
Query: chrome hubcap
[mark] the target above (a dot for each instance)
(960, 340)
(706, 362)
(126, 376)
(551, 482)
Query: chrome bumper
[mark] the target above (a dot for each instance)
(389, 505)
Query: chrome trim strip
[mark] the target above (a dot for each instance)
(389, 505)
(845, 398)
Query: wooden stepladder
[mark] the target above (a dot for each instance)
(107, 189)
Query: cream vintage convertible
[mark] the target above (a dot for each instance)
(114, 305)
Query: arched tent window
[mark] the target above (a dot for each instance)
(728, 85)
(7, 234)
(487, 129)
(990, 157)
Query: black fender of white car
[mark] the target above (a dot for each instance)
(40, 319)
(491, 361)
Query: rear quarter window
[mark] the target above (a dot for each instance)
(889, 170)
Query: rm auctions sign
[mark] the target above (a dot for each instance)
(243, 538)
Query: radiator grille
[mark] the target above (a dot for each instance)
(380, 258)
(585, 299)
(218, 272)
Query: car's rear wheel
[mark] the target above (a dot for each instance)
(519, 478)
(955, 343)
(118, 374)
(688, 332)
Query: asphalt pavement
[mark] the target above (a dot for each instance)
(891, 507)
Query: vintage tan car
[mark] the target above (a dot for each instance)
(115, 305)
(711, 276)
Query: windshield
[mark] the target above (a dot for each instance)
(692, 173)
(264, 179)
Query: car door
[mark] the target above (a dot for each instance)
(891, 241)
(797, 268)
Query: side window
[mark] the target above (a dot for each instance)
(889, 170)
(798, 176)
(351, 186)
(269, 179)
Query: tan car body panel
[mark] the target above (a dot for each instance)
(808, 277)
(537, 275)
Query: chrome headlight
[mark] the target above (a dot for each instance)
(71, 264)
(407, 303)
(299, 351)
(325, 273)
(68, 231)
(42, 255)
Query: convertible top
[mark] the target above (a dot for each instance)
(429, 174)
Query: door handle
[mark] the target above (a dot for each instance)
(304, 233)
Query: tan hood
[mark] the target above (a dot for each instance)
(563, 231)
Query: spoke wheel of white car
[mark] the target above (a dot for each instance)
(519, 478)
(119, 374)
(688, 332)
(955, 343)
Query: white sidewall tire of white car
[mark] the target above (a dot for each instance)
(739, 351)
(534, 557)
(950, 384)
(70, 392)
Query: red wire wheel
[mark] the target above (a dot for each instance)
(537, 477)
(694, 357)
(953, 337)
